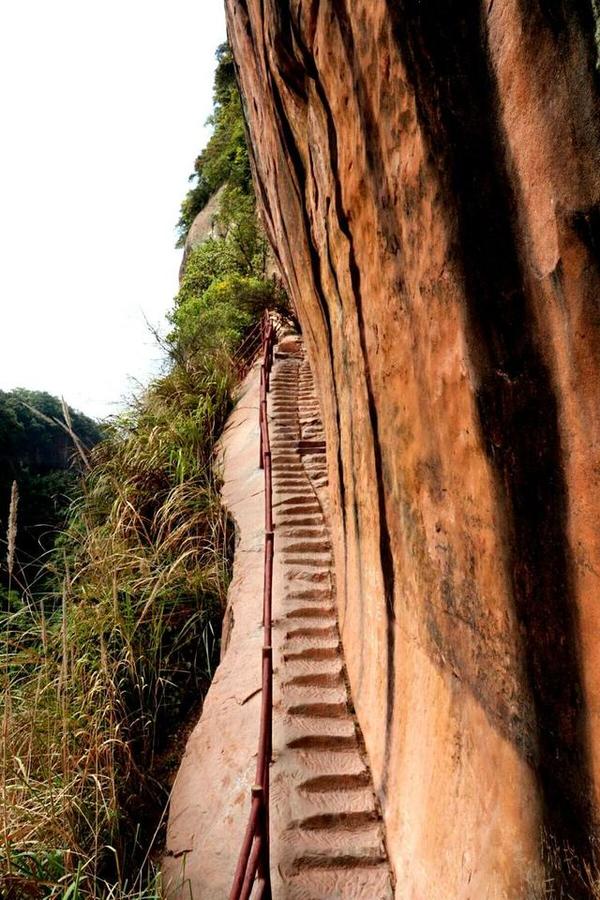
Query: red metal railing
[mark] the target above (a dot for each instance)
(253, 867)
(247, 351)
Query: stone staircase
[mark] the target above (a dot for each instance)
(330, 839)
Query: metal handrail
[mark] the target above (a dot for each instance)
(253, 866)
(247, 351)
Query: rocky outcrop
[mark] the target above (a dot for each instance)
(429, 175)
(204, 226)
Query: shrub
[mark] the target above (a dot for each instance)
(219, 318)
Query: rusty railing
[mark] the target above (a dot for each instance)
(253, 867)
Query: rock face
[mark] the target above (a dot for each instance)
(204, 226)
(429, 175)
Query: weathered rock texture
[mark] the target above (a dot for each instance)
(429, 174)
(204, 226)
(209, 802)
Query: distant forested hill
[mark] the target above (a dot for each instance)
(40, 456)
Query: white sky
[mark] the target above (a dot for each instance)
(102, 112)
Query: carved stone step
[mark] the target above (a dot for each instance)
(308, 559)
(345, 883)
(312, 612)
(332, 845)
(301, 728)
(360, 847)
(309, 545)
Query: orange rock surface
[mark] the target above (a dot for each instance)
(429, 176)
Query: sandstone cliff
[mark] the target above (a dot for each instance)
(429, 174)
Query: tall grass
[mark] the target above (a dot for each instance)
(98, 677)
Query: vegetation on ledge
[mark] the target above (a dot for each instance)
(225, 159)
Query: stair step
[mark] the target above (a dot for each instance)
(309, 545)
(340, 883)
(292, 491)
(325, 679)
(324, 743)
(308, 632)
(300, 520)
(308, 666)
(320, 651)
(295, 694)
(310, 560)
(301, 729)
(316, 532)
(317, 576)
(319, 710)
(291, 513)
(303, 581)
(312, 593)
(337, 847)
(314, 764)
(312, 612)
(336, 814)
(333, 847)
(342, 782)
(291, 505)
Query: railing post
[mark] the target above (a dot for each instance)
(268, 362)
(263, 434)
(254, 859)
(268, 493)
(261, 423)
(264, 859)
(261, 463)
(268, 586)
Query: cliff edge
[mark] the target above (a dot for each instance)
(429, 175)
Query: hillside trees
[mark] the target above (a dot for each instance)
(39, 454)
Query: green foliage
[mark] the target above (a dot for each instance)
(213, 318)
(101, 672)
(221, 315)
(39, 454)
(225, 286)
(29, 440)
(225, 157)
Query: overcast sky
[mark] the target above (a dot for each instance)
(103, 108)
